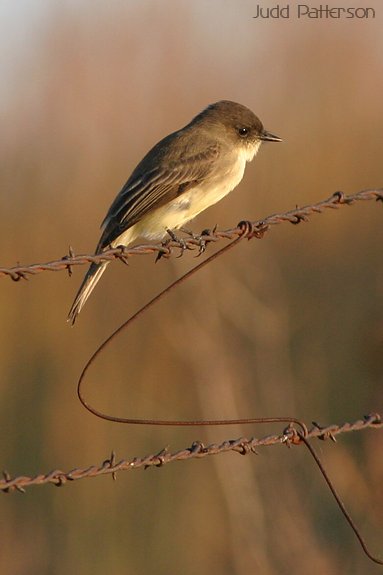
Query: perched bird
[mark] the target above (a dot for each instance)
(182, 175)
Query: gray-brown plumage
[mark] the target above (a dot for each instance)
(182, 175)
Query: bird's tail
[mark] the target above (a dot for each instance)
(93, 275)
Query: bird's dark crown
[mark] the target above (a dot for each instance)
(231, 114)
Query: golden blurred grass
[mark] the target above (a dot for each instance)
(290, 325)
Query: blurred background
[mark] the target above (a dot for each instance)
(290, 325)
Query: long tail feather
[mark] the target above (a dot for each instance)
(90, 280)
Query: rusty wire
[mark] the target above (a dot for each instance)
(290, 436)
(255, 229)
(197, 450)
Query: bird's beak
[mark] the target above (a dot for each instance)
(268, 137)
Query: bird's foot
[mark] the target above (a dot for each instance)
(167, 248)
(182, 244)
(200, 238)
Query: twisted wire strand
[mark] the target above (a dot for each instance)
(165, 249)
(197, 450)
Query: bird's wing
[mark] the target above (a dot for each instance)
(149, 190)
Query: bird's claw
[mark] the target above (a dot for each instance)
(200, 238)
(180, 241)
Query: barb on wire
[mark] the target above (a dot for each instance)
(243, 446)
(197, 450)
(255, 229)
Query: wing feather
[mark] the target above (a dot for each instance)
(147, 191)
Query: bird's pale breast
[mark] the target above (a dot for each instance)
(188, 205)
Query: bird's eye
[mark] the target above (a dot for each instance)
(243, 132)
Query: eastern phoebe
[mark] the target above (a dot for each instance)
(183, 174)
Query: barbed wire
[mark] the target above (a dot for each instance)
(290, 436)
(197, 450)
(165, 249)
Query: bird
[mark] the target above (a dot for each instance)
(186, 172)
